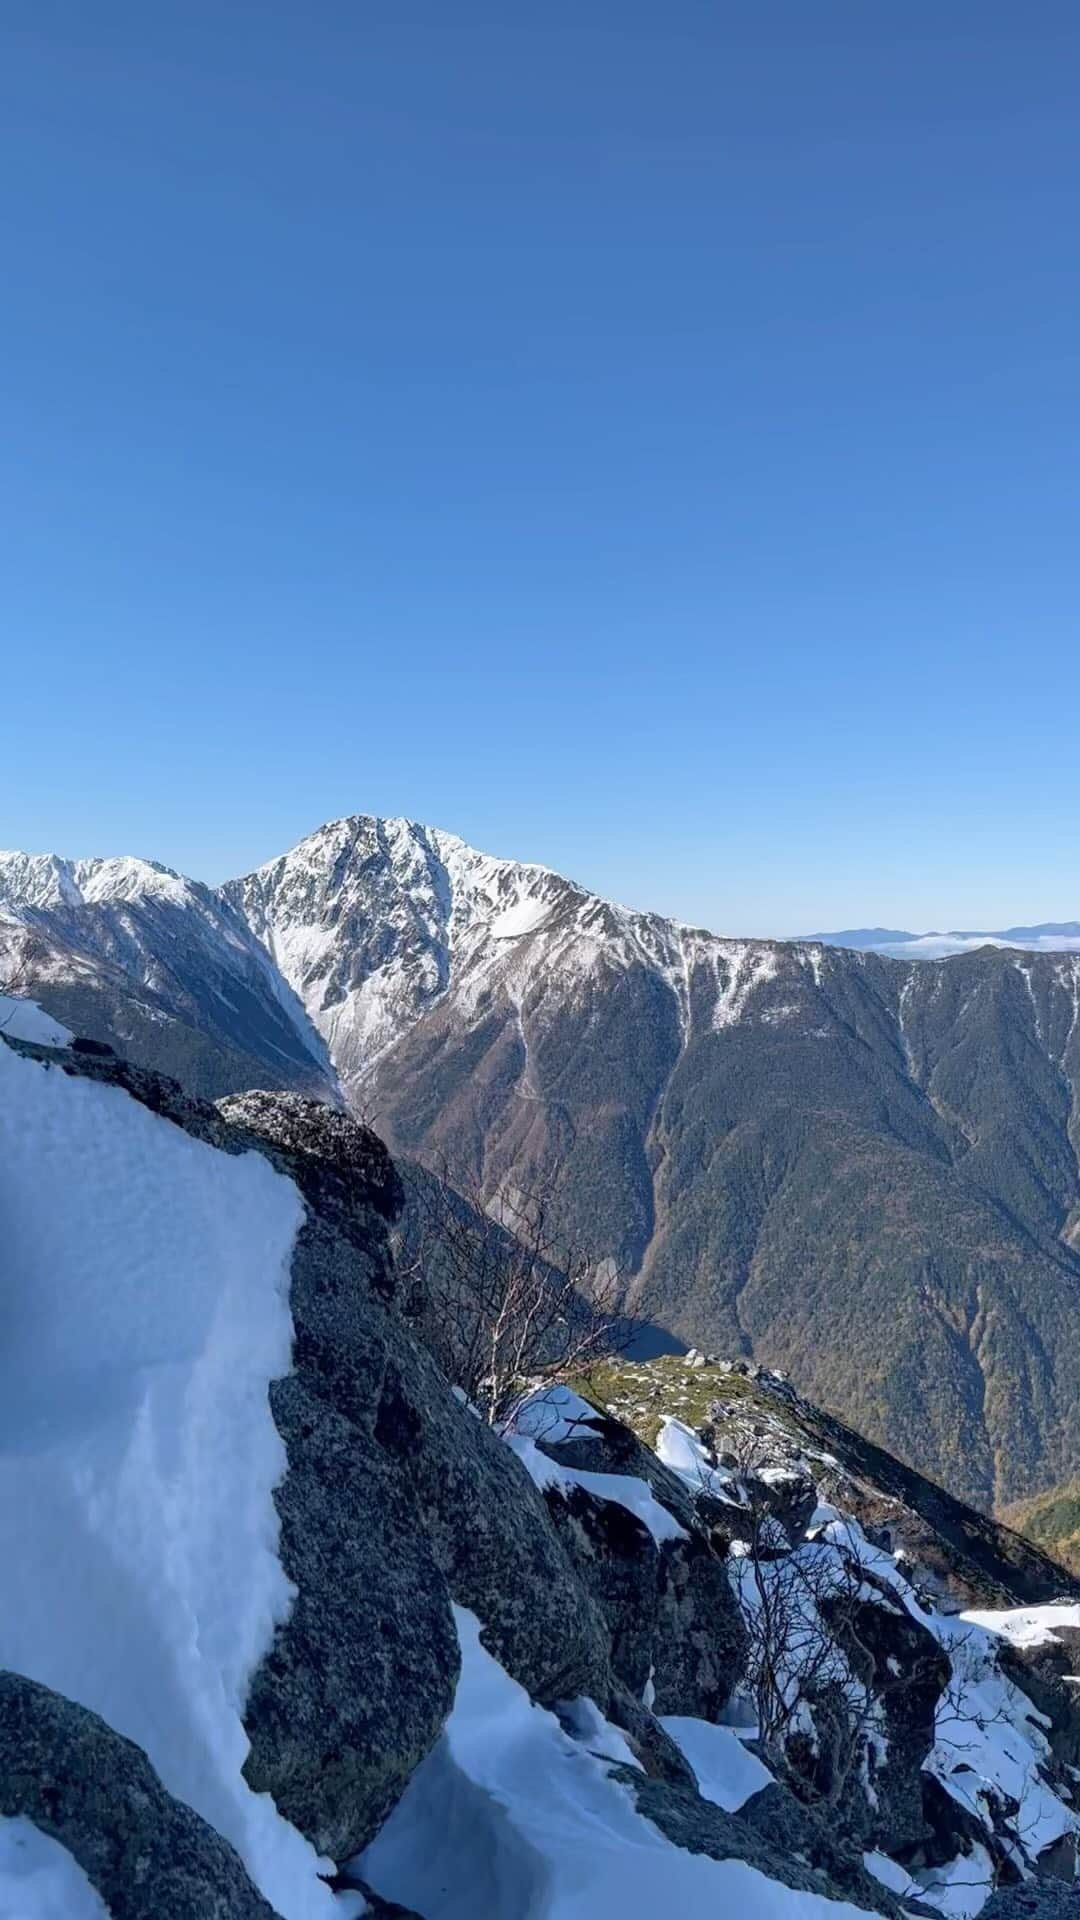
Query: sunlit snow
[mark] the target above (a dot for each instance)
(146, 1310)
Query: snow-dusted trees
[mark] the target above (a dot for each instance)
(505, 1293)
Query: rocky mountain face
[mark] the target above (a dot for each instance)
(131, 954)
(861, 1170)
(328, 1644)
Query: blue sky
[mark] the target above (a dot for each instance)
(643, 439)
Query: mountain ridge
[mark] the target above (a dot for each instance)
(861, 1168)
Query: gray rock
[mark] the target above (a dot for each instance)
(669, 1609)
(1034, 1900)
(800, 1855)
(699, 1643)
(461, 1515)
(1044, 1673)
(618, 1561)
(361, 1676)
(149, 1856)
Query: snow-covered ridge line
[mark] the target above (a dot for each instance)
(29, 880)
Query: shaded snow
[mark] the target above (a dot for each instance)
(509, 1818)
(39, 1880)
(960, 1887)
(24, 1020)
(890, 1873)
(146, 1310)
(555, 1413)
(726, 1771)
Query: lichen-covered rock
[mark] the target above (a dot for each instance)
(149, 1856)
(361, 1676)
(700, 1640)
(618, 1561)
(468, 1501)
(489, 1531)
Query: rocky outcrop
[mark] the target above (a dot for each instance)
(670, 1612)
(148, 1855)
(398, 1503)
(1047, 1673)
(771, 1833)
(482, 1523)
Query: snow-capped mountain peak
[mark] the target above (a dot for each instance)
(369, 919)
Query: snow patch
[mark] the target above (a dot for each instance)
(727, 1773)
(25, 1020)
(511, 1818)
(39, 1879)
(621, 1488)
(146, 1310)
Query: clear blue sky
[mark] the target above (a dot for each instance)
(644, 438)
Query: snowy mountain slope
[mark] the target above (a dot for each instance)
(224, 1544)
(371, 920)
(131, 953)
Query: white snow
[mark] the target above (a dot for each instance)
(1028, 1626)
(24, 1020)
(678, 1446)
(146, 1310)
(726, 1771)
(554, 1413)
(623, 1488)
(39, 1880)
(522, 917)
(510, 1818)
(891, 1874)
(959, 1888)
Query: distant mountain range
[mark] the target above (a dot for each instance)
(1052, 936)
(858, 1168)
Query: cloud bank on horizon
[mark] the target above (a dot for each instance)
(1051, 937)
